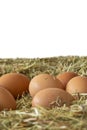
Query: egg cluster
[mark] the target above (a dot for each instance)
(46, 90)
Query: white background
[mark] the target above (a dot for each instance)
(43, 28)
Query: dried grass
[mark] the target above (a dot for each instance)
(59, 118)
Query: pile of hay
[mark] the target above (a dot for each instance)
(27, 118)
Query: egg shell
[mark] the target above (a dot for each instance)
(15, 83)
(43, 81)
(46, 97)
(77, 85)
(7, 101)
(65, 77)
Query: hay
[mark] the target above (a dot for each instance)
(59, 118)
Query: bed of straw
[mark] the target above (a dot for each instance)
(58, 118)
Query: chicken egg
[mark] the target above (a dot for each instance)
(65, 77)
(43, 81)
(77, 85)
(15, 83)
(7, 101)
(50, 97)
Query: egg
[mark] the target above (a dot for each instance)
(15, 83)
(52, 97)
(77, 85)
(65, 77)
(7, 101)
(43, 81)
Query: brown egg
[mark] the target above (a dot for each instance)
(77, 85)
(15, 83)
(43, 81)
(65, 77)
(7, 101)
(52, 97)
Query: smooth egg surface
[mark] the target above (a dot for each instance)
(7, 101)
(51, 97)
(43, 81)
(15, 83)
(65, 77)
(77, 85)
